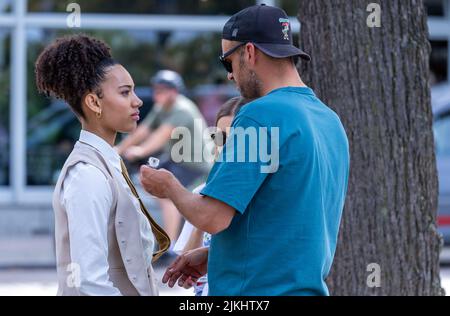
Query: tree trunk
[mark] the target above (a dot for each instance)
(377, 80)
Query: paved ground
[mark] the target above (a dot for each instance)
(445, 279)
(42, 282)
(27, 268)
(35, 251)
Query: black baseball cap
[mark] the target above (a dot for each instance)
(268, 28)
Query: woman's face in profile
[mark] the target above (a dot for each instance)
(119, 103)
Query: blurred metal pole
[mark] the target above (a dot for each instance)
(447, 17)
(439, 28)
(272, 3)
(153, 22)
(3, 35)
(447, 9)
(18, 101)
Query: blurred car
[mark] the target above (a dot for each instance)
(441, 114)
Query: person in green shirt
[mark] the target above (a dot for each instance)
(159, 133)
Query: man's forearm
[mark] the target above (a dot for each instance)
(205, 213)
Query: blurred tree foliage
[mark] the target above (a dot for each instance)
(193, 54)
(227, 7)
(290, 6)
(195, 57)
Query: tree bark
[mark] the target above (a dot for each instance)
(377, 80)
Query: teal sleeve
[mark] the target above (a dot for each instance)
(234, 180)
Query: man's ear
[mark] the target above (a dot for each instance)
(251, 53)
(92, 103)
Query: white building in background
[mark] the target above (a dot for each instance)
(25, 207)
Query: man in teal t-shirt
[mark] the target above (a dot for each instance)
(274, 199)
(283, 237)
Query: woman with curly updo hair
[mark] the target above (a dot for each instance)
(105, 237)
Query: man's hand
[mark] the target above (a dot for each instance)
(157, 182)
(205, 213)
(187, 268)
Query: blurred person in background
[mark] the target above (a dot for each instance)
(153, 137)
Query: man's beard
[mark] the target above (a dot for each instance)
(249, 83)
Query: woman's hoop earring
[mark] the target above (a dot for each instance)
(98, 114)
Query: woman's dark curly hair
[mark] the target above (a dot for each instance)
(72, 66)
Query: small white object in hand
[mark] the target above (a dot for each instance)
(153, 162)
